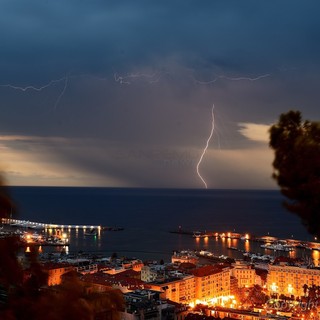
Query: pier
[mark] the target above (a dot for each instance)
(40, 225)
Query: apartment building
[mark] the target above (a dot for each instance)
(290, 279)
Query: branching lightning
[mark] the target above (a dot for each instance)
(24, 89)
(233, 79)
(205, 149)
(34, 88)
(150, 78)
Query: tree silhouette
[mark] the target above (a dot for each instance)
(24, 296)
(296, 164)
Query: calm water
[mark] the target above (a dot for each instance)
(148, 214)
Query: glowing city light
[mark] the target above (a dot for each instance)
(274, 287)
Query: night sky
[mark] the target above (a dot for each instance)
(120, 93)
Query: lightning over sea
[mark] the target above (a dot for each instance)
(205, 148)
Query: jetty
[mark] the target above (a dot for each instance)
(40, 225)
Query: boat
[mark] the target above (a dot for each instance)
(91, 232)
(199, 234)
(277, 247)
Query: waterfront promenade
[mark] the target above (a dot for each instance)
(40, 225)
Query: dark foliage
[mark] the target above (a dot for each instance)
(24, 294)
(296, 144)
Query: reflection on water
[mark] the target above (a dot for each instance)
(293, 254)
(236, 247)
(148, 244)
(247, 245)
(315, 257)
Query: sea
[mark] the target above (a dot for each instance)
(148, 217)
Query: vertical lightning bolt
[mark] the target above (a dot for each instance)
(205, 149)
(62, 92)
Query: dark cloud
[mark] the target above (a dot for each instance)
(136, 74)
(87, 36)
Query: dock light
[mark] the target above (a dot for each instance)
(247, 237)
(28, 237)
(66, 249)
(229, 235)
(64, 237)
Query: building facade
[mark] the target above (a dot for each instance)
(290, 280)
(211, 283)
(244, 273)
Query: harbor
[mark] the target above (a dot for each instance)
(267, 241)
(92, 238)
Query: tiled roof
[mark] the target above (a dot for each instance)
(114, 280)
(206, 270)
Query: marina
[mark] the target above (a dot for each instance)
(220, 244)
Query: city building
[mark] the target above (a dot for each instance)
(55, 272)
(244, 273)
(184, 257)
(179, 288)
(290, 279)
(212, 282)
(148, 274)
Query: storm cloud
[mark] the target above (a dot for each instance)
(120, 94)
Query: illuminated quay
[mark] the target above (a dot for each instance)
(40, 225)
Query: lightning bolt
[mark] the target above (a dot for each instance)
(62, 92)
(38, 89)
(120, 79)
(233, 79)
(205, 149)
(24, 89)
(151, 78)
